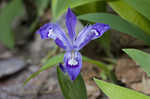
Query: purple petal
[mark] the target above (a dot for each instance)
(60, 43)
(54, 31)
(90, 33)
(62, 68)
(73, 64)
(83, 38)
(70, 23)
(45, 30)
(98, 29)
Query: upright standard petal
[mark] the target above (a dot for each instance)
(73, 64)
(54, 31)
(90, 33)
(83, 38)
(71, 23)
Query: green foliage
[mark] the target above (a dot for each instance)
(98, 6)
(71, 89)
(117, 23)
(141, 58)
(117, 92)
(130, 14)
(142, 6)
(59, 58)
(98, 63)
(60, 6)
(104, 67)
(105, 42)
(8, 13)
(41, 5)
(51, 62)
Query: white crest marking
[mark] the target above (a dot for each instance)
(50, 32)
(94, 31)
(72, 62)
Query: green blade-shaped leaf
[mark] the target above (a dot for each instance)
(98, 6)
(117, 23)
(117, 92)
(71, 89)
(41, 5)
(105, 42)
(101, 65)
(141, 58)
(7, 15)
(51, 62)
(104, 67)
(142, 6)
(59, 58)
(130, 14)
(60, 6)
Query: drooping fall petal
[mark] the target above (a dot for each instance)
(98, 29)
(54, 31)
(73, 64)
(90, 33)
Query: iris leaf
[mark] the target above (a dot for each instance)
(98, 63)
(118, 92)
(51, 62)
(7, 15)
(60, 6)
(59, 58)
(117, 23)
(41, 5)
(99, 6)
(71, 89)
(142, 6)
(141, 58)
(128, 13)
(104, 67)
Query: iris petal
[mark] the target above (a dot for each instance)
(83, 37)
(45, 30)
(71, 23)
(54, 31)
(98, 29)
(73, 64)
(63, 69)
(90, 33)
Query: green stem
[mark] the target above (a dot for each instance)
(50, 53)
(103, 67)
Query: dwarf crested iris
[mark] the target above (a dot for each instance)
(72, 42)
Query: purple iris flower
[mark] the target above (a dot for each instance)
(72, 42)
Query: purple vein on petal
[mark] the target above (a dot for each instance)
(55, 32)
(90, 33)
(84, 37)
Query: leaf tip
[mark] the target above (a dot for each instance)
(96, 80)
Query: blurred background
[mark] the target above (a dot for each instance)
(23, 52)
